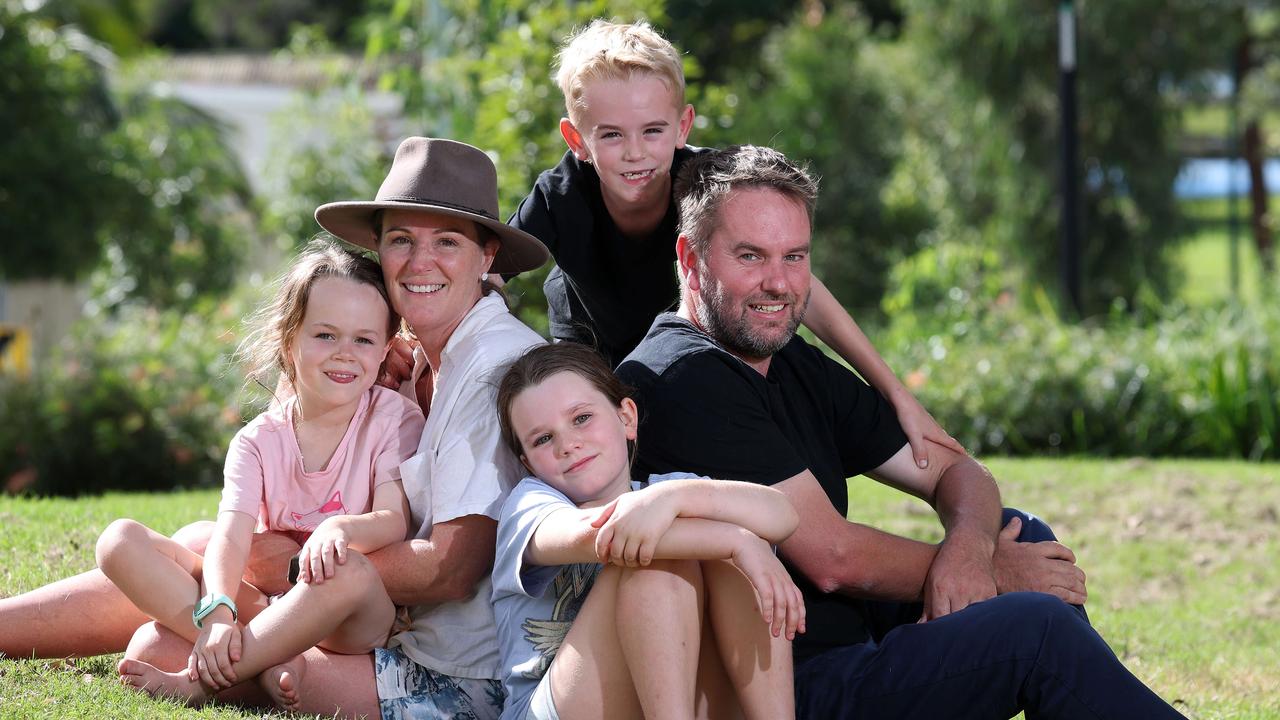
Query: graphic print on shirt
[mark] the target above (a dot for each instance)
(570, 587)
(309, 521)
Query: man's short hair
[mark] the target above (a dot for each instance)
(707, 180)
(613, 51)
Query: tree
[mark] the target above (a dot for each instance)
(1257, 67)
(1000, 60)
(56, 183)
(132, 175)
(821, 93)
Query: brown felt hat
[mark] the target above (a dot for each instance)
(441, 176)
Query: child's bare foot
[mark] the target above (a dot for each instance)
(282, 681)
(158, 683)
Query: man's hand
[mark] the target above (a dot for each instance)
(960, 576)
(398, 366)
(1047, 567)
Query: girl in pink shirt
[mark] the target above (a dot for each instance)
(321, 466)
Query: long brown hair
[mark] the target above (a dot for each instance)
(543, 361)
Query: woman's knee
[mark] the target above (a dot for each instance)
(122, 537)
(195, 536)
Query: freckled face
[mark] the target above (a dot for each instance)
(432, 265)
(573, 438)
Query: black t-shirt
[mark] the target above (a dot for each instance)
(704, 411)
(606, 288)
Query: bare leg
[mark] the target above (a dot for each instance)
(758, 664)
(629, 655)
(663, 664)
(355, 601)
(334, 685)
(34, 623)
(159, 576)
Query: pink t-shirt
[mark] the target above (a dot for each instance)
(264, 475)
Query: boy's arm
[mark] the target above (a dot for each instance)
(829, 321)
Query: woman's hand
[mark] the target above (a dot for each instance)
(324, 551)
(780, 601)
(398, 365)
(216, 648)
(631, 526)
(921, 428)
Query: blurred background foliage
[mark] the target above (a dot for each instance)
(933, 126)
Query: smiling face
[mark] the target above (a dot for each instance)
(629, 130)
(751, 287)
(573, 438)
(432, 264)
(338, 348)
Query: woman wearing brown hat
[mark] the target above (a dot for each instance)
(434, 224)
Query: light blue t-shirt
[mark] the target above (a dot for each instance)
(535, 605)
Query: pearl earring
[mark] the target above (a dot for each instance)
(484, 277)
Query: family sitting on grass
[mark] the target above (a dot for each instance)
(704, 569)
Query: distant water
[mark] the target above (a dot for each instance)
(1212, 177)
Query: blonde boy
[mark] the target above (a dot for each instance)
(606, 211)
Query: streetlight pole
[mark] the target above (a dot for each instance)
(1070, 229)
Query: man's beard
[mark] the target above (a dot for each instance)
(729, 325)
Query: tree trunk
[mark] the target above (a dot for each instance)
(1253, 156)
(1254, 150)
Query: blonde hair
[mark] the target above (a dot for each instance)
(265, 349)
(614, 51)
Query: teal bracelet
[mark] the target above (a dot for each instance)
(208, 604)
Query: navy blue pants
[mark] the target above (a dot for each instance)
(1016, 652)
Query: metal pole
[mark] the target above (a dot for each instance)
(1233, 194)
(1070, 233)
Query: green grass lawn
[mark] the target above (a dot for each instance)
(1204, 255)
(1180, 556)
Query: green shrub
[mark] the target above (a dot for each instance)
(1191, 383)
(144, 401)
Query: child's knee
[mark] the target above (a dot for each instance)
(119, 539)
(355, 580)
(664, 576)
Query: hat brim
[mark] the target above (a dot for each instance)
(353, 222)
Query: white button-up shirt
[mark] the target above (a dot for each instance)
(463, 467)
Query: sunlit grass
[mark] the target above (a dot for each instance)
(1180, 556)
